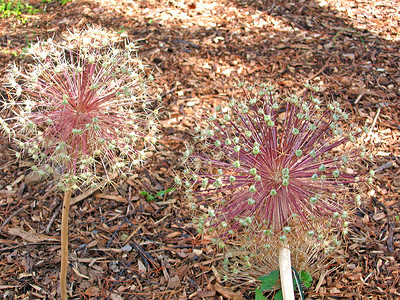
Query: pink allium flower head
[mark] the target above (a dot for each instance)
(273, 164)
(82, 103)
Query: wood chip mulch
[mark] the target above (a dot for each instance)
(124, 247)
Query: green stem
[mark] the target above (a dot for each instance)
(64, 244)
(298, 283)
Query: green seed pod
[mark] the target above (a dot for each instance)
(256, 150)
(236, 164)
(217, 183)
(358, 200)
(253, 171)
(267, 232)
(313, 200)
(177, 180)
(253, 101)
(252, 189)
(283, 238)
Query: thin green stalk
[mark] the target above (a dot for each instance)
(298, 282)
(64, 244)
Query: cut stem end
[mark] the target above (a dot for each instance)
(285, 270)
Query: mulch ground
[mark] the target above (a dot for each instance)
(124, 247)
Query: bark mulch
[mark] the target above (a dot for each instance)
(125, 247)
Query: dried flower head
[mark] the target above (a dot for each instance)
(275, 166)
(82, 103)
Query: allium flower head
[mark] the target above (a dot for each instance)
(82, 102)
(272, 164)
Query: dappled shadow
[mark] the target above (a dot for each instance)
(285, 42)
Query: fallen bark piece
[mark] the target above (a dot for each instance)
(227, 293)
(30, 236)
(174, 282)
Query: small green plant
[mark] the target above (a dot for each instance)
(121, 30)
(15, 8)
(159, 195)
(270, 282)
(62, 2)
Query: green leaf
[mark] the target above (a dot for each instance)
(259, 295)
(143, 193)
(278, 295)
(306, 279)
(160, 194)
(147, 195)
(269, 281)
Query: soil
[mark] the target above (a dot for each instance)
(124, 247)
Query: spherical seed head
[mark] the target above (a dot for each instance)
(286, 167)
(84, 103)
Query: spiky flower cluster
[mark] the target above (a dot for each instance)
(273, 165)
(82, 103)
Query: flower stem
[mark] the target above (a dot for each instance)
(285, 271)
(64, 244)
